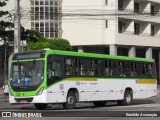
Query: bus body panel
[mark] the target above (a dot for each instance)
(100, 90)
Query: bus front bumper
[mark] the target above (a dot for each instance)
(29, 99)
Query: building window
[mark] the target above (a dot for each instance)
(46, 2)
(106, 23)
(136, 28)
(45, 10)
(51, 34)
(46, 34)
(51, 2)
(106, 2)
(32, 3)
(119, 26)
(136, 7)
(47, 27)
(152, 30)
(41, 27)
(41, 2)
(32, 25)
(37, 2)
(32, 13)
(152, 10)
(37, 26)
(120, 4)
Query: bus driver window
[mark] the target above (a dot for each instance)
(53, 69)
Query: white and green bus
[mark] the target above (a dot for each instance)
(64, 77)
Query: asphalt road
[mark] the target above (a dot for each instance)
(88, 110)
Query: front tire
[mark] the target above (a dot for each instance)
(40, 106)
(128, 97)
(71, 101)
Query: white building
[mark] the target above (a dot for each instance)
(117, 27)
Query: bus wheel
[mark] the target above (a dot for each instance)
(127, 98)
(99, 103)
(71, 101)
(40, 106)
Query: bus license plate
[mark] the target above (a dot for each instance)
(23, 101)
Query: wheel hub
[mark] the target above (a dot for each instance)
(70, 100)
(128, 98)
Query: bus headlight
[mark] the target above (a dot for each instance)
(40, 91)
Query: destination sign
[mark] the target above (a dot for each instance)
(28, 55)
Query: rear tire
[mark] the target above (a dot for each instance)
(128, 97)
(40, 106)
(71, 101)
(99, 103)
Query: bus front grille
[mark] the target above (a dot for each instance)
(19, 100)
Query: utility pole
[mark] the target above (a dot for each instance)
(17, 36)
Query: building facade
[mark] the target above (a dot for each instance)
(116, 27)
(46, 17)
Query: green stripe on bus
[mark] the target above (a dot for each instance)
(81, 54)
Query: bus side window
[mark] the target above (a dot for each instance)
(132, 70)
(57, 69)
(138, 69)
(50, 71)
(116, 68)
(110, 69)
(106, 70)
(144, 70)
(149, 70)
(68, 66)
(54, 69)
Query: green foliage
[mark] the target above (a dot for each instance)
(5, 26)
(59, 44)
(7, 32)
(30, 35)
(56, 44)
(36, 45)
(3, 3)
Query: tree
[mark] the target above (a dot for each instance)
(59, 44)
(56, 44)
(30, 35)
(6, 33)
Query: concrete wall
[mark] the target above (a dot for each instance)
(80, 27)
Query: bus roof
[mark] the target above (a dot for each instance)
(41, 54)
(95, 55)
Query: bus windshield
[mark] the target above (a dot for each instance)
(30, 73)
